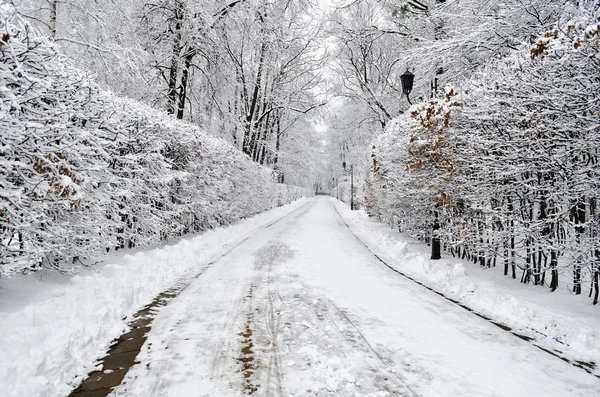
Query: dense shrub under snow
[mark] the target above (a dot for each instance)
(82, 171)
(508, 167)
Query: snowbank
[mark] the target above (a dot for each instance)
(53, 328)
(556, 321)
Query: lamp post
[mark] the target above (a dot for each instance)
(407, 80)
(435, 240)
(434, 88)
(351, 184)
(336, 186)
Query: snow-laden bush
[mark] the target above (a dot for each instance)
(510, 166)
(82, 171)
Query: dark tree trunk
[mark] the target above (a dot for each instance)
(278, 137)
(596, 279)
(183, 87)
(53, 13)
(435, 241)
(511, 228)
(527, 271)
(265, 153)
(176, 53)
(578, 214)
(505, 258)
(249, 134)
(537, 267)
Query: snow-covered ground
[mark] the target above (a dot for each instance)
(303, 308)
(53, 328)
(295, 306)
(558, 321)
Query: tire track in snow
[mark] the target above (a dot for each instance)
(336, 334)
(241, 345)
(265, 259)
(121, 355)
(344, 316)
(273, 324)
(330, 353)
(225, 345)
(353, 333)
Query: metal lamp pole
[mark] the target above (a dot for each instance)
(336, 185)
(351, 184)
(352, 187)
(435, 240)
(407, 80)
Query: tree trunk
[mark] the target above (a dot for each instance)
(52, 24)
(506, 258)
(511, 228)
(266, 135)
(249, 133)
(176, 53)
(183, 87)
(596, 279)
(280, 177)
(578, 213)
(527, 271)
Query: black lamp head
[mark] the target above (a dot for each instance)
(407, 80)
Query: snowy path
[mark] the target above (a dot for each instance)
(304, 309)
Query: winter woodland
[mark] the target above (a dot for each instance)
(126, 123)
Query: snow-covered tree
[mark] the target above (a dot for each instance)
(83, 171)
(522, 155)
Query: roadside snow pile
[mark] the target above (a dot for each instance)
(557, 321)
(83, 172)
(49, 338)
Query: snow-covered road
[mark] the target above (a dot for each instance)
(302, 308)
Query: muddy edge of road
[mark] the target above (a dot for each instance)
(589, 367)
(121, 355)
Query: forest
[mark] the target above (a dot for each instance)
(124, 124)
(500, 165)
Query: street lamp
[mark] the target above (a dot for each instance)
(351, 184)
(407, 80)
(336, 186)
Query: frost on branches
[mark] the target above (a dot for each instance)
(513, 173)
(83, 172)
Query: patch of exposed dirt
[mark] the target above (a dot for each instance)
(247, 358)
(123, 352)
